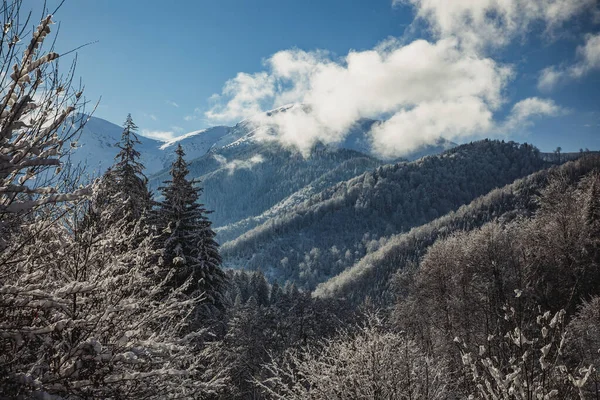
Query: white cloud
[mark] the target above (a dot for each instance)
(422, 90)
(482, 23)
(159, 135)
(403, 82)
(172, 103)
(194, 116)
(589, 55)
(424, 124)
(588, 60)
(549, 78)
(233, 165)
(245, 93)
(534, 107)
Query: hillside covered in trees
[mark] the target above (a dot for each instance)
(333, 229)
(373, 275)
(243, 180)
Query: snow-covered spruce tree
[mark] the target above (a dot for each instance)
(186, 237)
(82, 320)
(123, 189)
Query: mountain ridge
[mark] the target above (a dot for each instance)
(355, 214)
(96, 144)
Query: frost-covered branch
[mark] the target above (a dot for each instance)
(37, 116)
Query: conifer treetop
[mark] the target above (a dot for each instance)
(124, 187)
(128, 156)
(179, 169)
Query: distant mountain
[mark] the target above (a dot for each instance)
(246, 178)
(331, 230)
(243, 177)
(96, 146)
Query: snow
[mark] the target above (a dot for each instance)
(179, 138)
(95, 149)
(201, 140)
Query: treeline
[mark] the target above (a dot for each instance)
(333, 230)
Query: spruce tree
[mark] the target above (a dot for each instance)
(123, 189)
(185, 235)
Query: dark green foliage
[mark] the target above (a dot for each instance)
(185, 235)
(127, 173)
(256, 332)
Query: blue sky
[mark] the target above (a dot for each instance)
(164, 62)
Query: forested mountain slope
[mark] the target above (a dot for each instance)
(243, 173)
(343, 171)
(337, 227)
(245, 179)
(372, 276)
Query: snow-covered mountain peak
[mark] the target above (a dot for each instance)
(96, 147)
(288, 107)
(202, 139)
(178, 139)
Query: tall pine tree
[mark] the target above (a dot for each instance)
(185, 235)
(123, 189)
